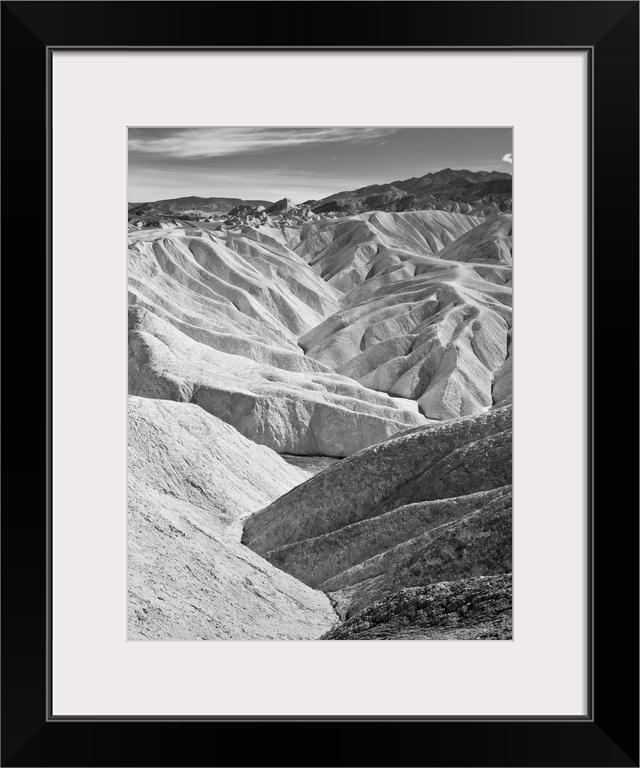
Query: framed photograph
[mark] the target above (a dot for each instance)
(320, 326)
(320, 386)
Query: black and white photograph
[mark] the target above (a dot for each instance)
(319, 383)
(280, 418)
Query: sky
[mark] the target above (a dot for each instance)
(300, 163)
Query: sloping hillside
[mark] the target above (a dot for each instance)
(427, 506)
(192, 478)
(469, 609)
(291, 412)
(216, 322)
(341, 251)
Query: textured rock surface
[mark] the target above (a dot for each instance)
(341, 251)
(503, 382)
(370, 483)
(430, 505)
(191, 480)
(490, 241)
(469, 609)
(317, 559)
(291, 412)
(238, 295)
(477, 544)
(426, 327)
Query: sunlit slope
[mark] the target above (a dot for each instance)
(341, 250)
(215, 321)
(490, 242)
(291, 412)
(429, 328)
(242, 296)
(192, 478)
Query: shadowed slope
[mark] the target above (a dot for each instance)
(430, 505)
(319, 559)
(370, 482)
(478, 544)
(469, 609)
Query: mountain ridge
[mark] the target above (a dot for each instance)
(454, 186)
(194, 202)
(429, 183)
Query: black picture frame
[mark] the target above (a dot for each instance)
(608, 735)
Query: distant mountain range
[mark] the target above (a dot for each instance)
(463, 189)
(177, 205)
(446, 186)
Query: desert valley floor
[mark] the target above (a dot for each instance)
(320, 419)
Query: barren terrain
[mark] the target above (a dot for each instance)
(320, 414)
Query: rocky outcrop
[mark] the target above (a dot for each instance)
(215, 322)
(369, 483)
(241, 296)
(291, 412)
(477, 544)
(469, 609)
(341, 251)
(281, 206)
(322, 559)
(426, 328)
(192, 478)
(429, 505)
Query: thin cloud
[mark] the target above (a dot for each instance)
(220, 142)
(508, 158)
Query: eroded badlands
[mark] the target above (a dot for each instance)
(320, 423)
